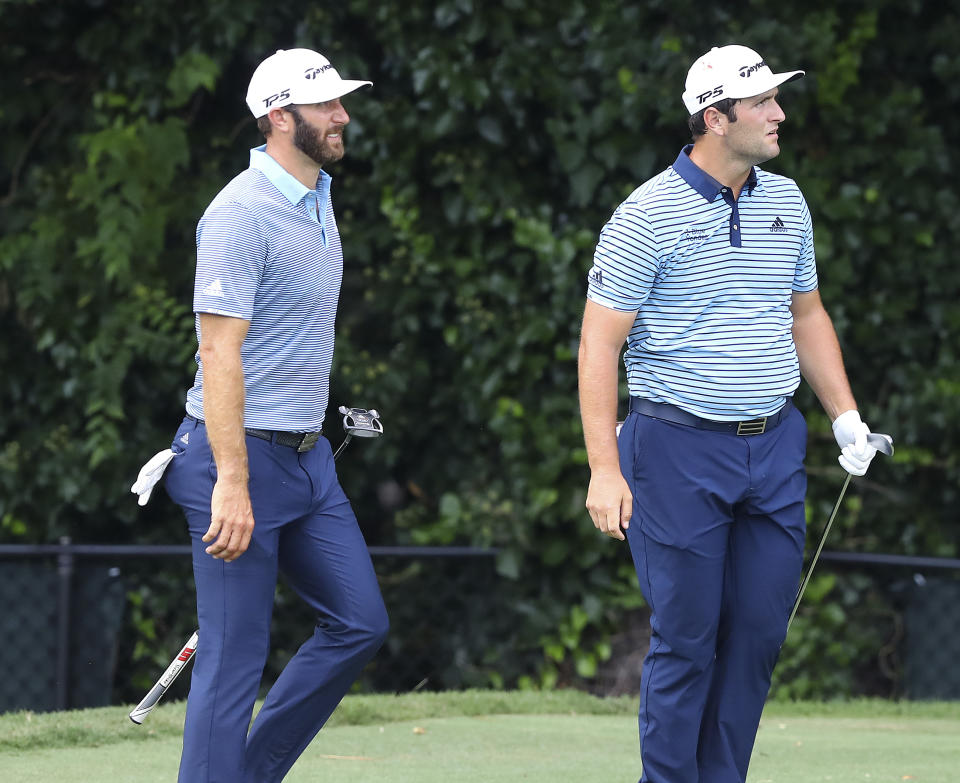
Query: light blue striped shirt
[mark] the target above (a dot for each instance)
(268, 251)
(711, 280)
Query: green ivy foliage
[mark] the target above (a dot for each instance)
(495, 143)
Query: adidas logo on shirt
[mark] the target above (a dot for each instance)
(214, 289)
(596, 277)
(778, 226)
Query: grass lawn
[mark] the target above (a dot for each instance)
(494, 737)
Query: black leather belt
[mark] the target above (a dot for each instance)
(301, 441)
(661, 410)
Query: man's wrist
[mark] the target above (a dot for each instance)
(605, 468)
(237, 478)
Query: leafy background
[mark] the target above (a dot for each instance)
(495, 143)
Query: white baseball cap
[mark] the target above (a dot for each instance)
(295, 76)
(729, 72)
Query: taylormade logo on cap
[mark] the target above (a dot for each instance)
(729, 72)
(295, 76)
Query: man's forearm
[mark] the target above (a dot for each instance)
(821, 362)
(598, 382)
(223, 401)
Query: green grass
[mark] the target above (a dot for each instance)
(93, 728)
(493, 737)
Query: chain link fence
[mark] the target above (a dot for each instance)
(88, 626)
(932, 669)
(46, 603)
(894, 624)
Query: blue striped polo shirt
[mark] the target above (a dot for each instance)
(268, 251)
(711, 280)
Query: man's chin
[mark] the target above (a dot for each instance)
(332, 154)
(771, 151)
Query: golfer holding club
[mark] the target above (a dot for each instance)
(707, 272)
(252, 472)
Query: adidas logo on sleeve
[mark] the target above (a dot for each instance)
(216, 289)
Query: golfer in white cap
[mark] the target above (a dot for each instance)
(707, 272)
(252, 470)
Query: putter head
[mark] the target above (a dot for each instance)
(361, 423)
(882, 443)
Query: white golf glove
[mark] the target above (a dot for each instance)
(150, 474)
(851, 434)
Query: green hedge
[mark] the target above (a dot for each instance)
(496, 141)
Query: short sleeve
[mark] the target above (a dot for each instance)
(231, 256)
(625, 262)
(805, 277)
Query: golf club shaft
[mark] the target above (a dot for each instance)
(343, 445)
(884, 445)
(816, 555)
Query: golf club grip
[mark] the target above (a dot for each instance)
(143, 709)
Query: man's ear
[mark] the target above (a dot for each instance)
(715, 120)
(281, 119)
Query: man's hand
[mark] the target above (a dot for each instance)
(231, 520)
(610, 503)
(851, 434)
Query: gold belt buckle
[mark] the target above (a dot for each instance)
(752, 427)
(309, 441)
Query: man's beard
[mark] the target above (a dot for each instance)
(311, 142)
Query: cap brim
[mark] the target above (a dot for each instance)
(341, 88)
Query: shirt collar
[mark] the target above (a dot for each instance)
(699, 180)
(283, 180)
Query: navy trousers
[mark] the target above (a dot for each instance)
(717, 538)
(305, 528)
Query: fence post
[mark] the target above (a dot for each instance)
(65, 564)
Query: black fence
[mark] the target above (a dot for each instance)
(90, 625)
(915, 602)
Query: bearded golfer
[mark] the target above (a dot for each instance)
(253, 472)
(707, 272)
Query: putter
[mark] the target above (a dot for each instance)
(357, 423)
(883, 444)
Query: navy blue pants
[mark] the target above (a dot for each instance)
(717, 540)
(305, 527)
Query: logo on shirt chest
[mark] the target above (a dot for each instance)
(778, 226)
(695, 235)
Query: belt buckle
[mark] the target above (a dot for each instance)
(752, 427)
(308, 441)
